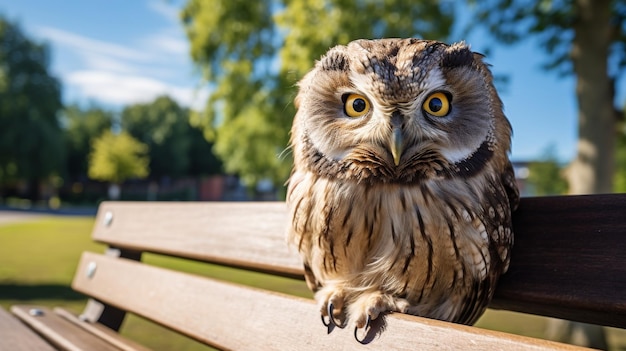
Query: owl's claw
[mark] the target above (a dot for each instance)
(326, 324)
(331, 318)
(366, 330)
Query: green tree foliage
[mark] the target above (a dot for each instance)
(546, 176)
(202, 160)
(162, 125)
(588, 39)
(31, 145)
(115, 158)
(82, 126)
(253, 52)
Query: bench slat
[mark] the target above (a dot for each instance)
(241, 318)
(102, 332)
(569, 259)
(60, 332)
(243, 234)
(14, 335)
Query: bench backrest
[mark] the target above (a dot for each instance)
(568, 261)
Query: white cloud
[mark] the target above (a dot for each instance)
(168, 10)
(119, 75)
(107, 63)
(172, 38)
(92, 46)
(123, 89)
(169, 43)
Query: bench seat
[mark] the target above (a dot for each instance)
(568, 262)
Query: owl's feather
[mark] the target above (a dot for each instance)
(429, 236)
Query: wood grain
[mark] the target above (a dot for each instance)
(101, 331)
(569, 258)
(15, 336)
(59, 332)
(240, 318)
(244, 234)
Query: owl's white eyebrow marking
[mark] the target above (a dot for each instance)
(433, 80)
(360, 80)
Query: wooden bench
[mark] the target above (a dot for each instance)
(569, 261)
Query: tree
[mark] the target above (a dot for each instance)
(584, 38)
(253, 53)
(115, 158)
(82, 126)
(31, 145)
(163, 126)
(202, 160)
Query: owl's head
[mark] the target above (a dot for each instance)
(399, 110)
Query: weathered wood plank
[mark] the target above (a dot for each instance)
(102, 332)
(60, 332)
(241, 318)
(569, 259)
(243, 234)
(16, 336)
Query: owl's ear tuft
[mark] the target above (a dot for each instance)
(334, 60)
(457, 55)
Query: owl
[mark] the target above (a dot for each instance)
(401, 193)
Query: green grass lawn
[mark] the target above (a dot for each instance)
(38, 259)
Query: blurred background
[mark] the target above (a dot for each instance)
(193, 100)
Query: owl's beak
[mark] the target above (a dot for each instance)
(396, 145)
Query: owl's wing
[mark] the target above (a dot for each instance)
(500, 228)
(476, 302)
(510, 186)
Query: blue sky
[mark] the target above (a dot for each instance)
(118, 52)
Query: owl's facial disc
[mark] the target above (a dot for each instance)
(399, 111)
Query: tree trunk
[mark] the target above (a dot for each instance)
(592, 170)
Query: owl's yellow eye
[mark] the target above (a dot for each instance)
(437, 104)
(355, 105)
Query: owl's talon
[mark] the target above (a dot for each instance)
(331, 317)
(366, 330)
(326, 324)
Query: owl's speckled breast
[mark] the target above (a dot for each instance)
(422, 243)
